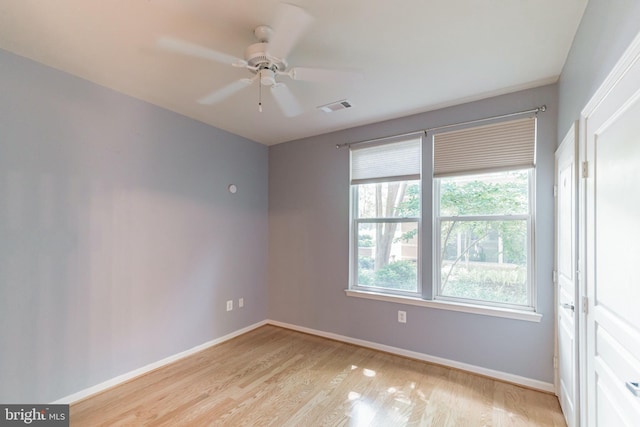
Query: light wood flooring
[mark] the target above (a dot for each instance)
(278, 377)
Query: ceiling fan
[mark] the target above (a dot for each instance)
(266, 60)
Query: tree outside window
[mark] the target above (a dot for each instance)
(483, 222)
(388, 215)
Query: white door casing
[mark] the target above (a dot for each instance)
(566, 182)
(611, 147)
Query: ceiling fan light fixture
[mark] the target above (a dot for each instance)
(267, 77)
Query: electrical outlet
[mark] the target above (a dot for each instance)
(402, 316)
(229, 305)
(241, 302)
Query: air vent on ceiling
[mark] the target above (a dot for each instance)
(335, 106)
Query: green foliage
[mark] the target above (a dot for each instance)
(410, 205)
(409, 208)
(506, 195)
(366, 263)
(365, 241)
(506, 285)
(485, 197)
(514, 237)
(365, 277)
(480, 240)
(395, 275)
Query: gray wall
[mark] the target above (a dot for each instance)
(309, 246)
(606, 30)
(119, 242)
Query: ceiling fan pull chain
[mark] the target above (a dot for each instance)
(259, 95)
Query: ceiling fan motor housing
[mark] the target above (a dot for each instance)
(257, 58)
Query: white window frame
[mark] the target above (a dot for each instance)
(427, 294)
(355, 221)
(437, 258)
(353, 267)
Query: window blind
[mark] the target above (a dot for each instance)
(499, 146)
(394, 161)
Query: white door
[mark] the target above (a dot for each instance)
(566, 266)
(612, 123)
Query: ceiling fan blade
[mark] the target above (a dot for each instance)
(324, 75)
(187, 48)
(285, 100)
(290, 23)
(224, 92)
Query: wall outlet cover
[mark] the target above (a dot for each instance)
(402, 316)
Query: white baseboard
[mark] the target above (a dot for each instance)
(152, 366)
(502, 376)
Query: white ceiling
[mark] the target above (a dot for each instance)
(416, 55)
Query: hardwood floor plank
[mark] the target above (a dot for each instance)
(277, 377)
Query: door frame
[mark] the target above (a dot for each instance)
(626, 61)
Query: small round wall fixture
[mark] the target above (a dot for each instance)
(232, 188)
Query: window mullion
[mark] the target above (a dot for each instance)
(437, 232)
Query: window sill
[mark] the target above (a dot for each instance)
(528, 316)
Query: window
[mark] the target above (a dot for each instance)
(385, 211)
(483, 214)
(482, 226)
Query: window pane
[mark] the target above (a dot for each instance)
(484, 260)
(500, 193)
(387, 255)
(389, 199)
